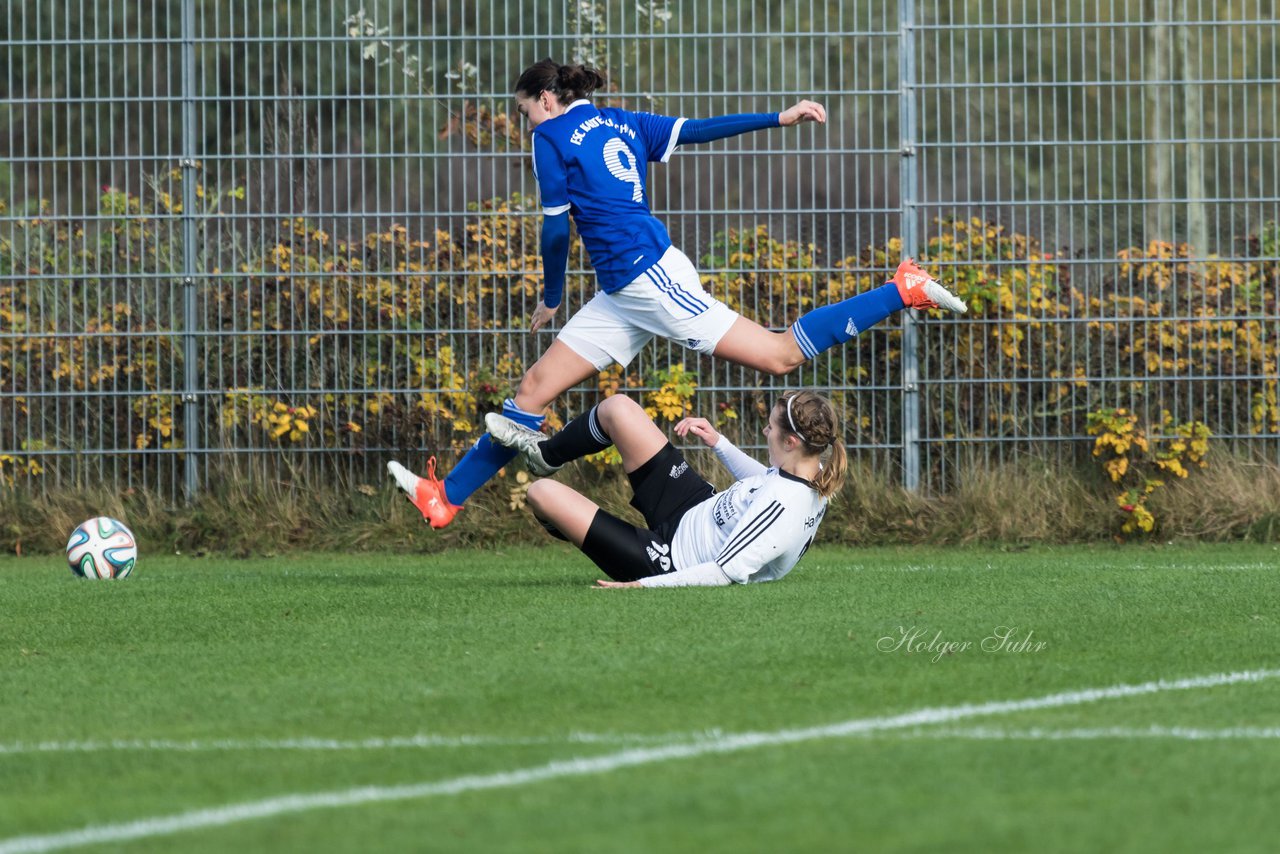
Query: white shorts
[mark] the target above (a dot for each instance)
(667, 300)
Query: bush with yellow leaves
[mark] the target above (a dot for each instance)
(15, 467)
(672, 399)
(1132, 459)
(276, 420)
(393, 338)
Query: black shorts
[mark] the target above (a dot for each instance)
(665, 487)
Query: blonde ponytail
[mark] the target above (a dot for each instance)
(831, 476)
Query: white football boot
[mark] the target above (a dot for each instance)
(524, 439)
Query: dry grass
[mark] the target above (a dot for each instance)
(1026, 502)
(1018, 503)
(1239, 500)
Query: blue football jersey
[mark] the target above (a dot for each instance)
(592, 163)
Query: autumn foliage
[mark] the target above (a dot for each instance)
(397, 339)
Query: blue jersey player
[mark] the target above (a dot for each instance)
(591, 163)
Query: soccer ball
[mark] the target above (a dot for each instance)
(102, 548)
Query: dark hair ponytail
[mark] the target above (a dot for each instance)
(567, 82)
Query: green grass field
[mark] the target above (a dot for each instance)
(493, 701)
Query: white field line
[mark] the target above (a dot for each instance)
(729, 743)
(1037, 734)
(421, 740)
(1127, 567)
(424, 741)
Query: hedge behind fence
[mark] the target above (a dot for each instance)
(399, 339)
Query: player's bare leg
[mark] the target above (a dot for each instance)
(750, 344)
(777, 353)
(556, 371)
(633, 432)
(562, 509)
(618, 421)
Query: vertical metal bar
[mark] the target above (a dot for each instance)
(191, 374)
(1193, 118)
(908, 184)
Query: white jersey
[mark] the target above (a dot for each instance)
(756, 530)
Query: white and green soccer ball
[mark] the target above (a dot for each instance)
(102, 548)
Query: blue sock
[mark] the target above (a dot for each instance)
(835, 324)
(486, 457)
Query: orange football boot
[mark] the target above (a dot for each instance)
(919, 291)
(425, 493)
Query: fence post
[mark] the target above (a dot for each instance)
(190, 177)
(909, 188)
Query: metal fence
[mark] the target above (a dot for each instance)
(298, 238)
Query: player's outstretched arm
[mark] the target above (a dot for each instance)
(803, 111)
(693, 131)
(702, 575)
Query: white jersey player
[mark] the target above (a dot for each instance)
(756, 530)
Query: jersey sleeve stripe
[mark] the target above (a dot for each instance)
(671, 143)
(555, 211)
(751, 533)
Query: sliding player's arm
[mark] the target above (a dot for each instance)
(739, 464)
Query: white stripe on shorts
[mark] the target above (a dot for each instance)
(678, 295)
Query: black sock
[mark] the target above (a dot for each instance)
(581, 436)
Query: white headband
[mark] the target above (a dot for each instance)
(792, 422)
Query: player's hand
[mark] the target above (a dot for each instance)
(699, 427)
(804, 111)
(542, 316)
(615, 584)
